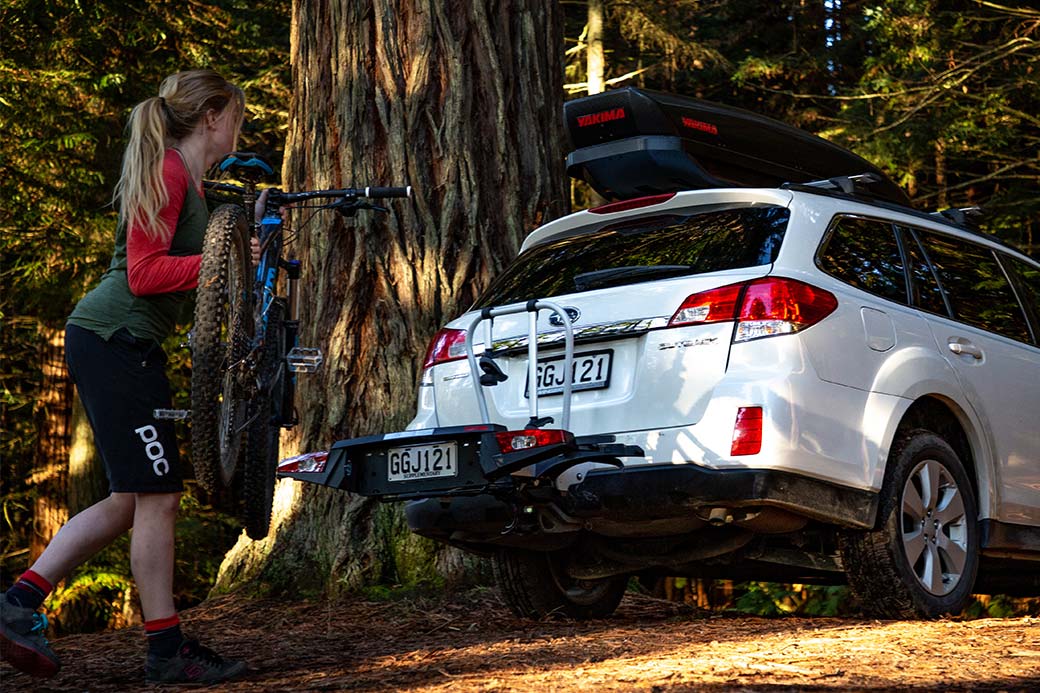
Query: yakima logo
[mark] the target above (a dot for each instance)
(601, 117)
(700, 125)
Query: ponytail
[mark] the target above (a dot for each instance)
(156, 124)
(141, 191)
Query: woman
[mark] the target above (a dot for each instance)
(112, 344)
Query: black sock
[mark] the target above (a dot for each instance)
(164, 636)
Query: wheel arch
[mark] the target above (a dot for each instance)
(949, 421)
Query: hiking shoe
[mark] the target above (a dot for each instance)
(193, 663)
(22, 642)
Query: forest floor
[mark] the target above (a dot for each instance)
(468, 642)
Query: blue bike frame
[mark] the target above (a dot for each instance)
(266, 293)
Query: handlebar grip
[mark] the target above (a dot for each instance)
(377, 193)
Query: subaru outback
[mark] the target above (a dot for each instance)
(758, 362)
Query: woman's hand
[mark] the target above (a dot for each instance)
(261, 204)
(258, 214)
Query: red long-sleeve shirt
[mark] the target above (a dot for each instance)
(150, 269)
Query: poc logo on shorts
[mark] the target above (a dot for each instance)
(154, 449)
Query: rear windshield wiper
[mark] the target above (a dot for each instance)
(612, 275)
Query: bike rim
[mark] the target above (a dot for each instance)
(934, 527)
(234, 347)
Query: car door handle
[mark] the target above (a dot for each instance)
(965, 349)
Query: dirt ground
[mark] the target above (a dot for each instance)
(468, 642)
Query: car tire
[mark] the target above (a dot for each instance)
(534, 585)
(923, 556)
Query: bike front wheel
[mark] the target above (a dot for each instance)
(265, 425)
(220, 342)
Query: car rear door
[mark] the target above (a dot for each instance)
(992, 347)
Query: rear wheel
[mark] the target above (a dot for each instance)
(923, 558)
(534, 585)
(262, 436)
(220, 340)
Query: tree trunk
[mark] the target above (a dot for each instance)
(463, 101)
(87, 483)
(53, 413)
(940, 173)
(596, 62)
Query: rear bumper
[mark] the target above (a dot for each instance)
(664, 497)
(498, 499)
(650, 491)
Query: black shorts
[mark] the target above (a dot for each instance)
(121, 382)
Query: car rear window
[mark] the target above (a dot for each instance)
(643, 249)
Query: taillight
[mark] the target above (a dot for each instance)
(762, 307)
(635, 203)
(313, 462)
(446, 345)
(747, 432)
(511, 441)
(716, 305)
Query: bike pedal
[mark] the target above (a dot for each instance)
(304, 359)
(172, 414)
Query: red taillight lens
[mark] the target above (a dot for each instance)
(716, 305)
(511, 441)
(446, 345)
(777, 305)
(762, 307)
(625, 205)
(747, 432)
(308, 462)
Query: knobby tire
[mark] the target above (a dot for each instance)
(262, 435)
(220, 338)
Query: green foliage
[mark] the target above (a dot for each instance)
(997, 606)
(774, 599)
(943, 96)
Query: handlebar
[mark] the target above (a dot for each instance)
(277, 197)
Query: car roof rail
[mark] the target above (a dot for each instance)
(858, 183)
(968, 217)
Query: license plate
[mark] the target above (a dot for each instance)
(591, 371)
(432, 461)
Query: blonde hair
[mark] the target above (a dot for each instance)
(158, 123)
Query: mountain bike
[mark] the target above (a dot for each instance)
(245, 351)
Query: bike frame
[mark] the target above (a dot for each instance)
(265, 293)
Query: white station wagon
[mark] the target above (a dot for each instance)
(809, 382)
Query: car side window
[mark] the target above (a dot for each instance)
(1028, 285)
(865, 253)
(976, 286)
(924, 288)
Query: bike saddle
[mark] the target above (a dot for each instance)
(246, 166)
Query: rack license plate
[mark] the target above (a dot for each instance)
(591, 372)
(432, 461)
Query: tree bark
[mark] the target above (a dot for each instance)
(596, 62)
(87, 483)
(53, 413)
(463, 101)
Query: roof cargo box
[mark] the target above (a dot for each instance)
(633, 142)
